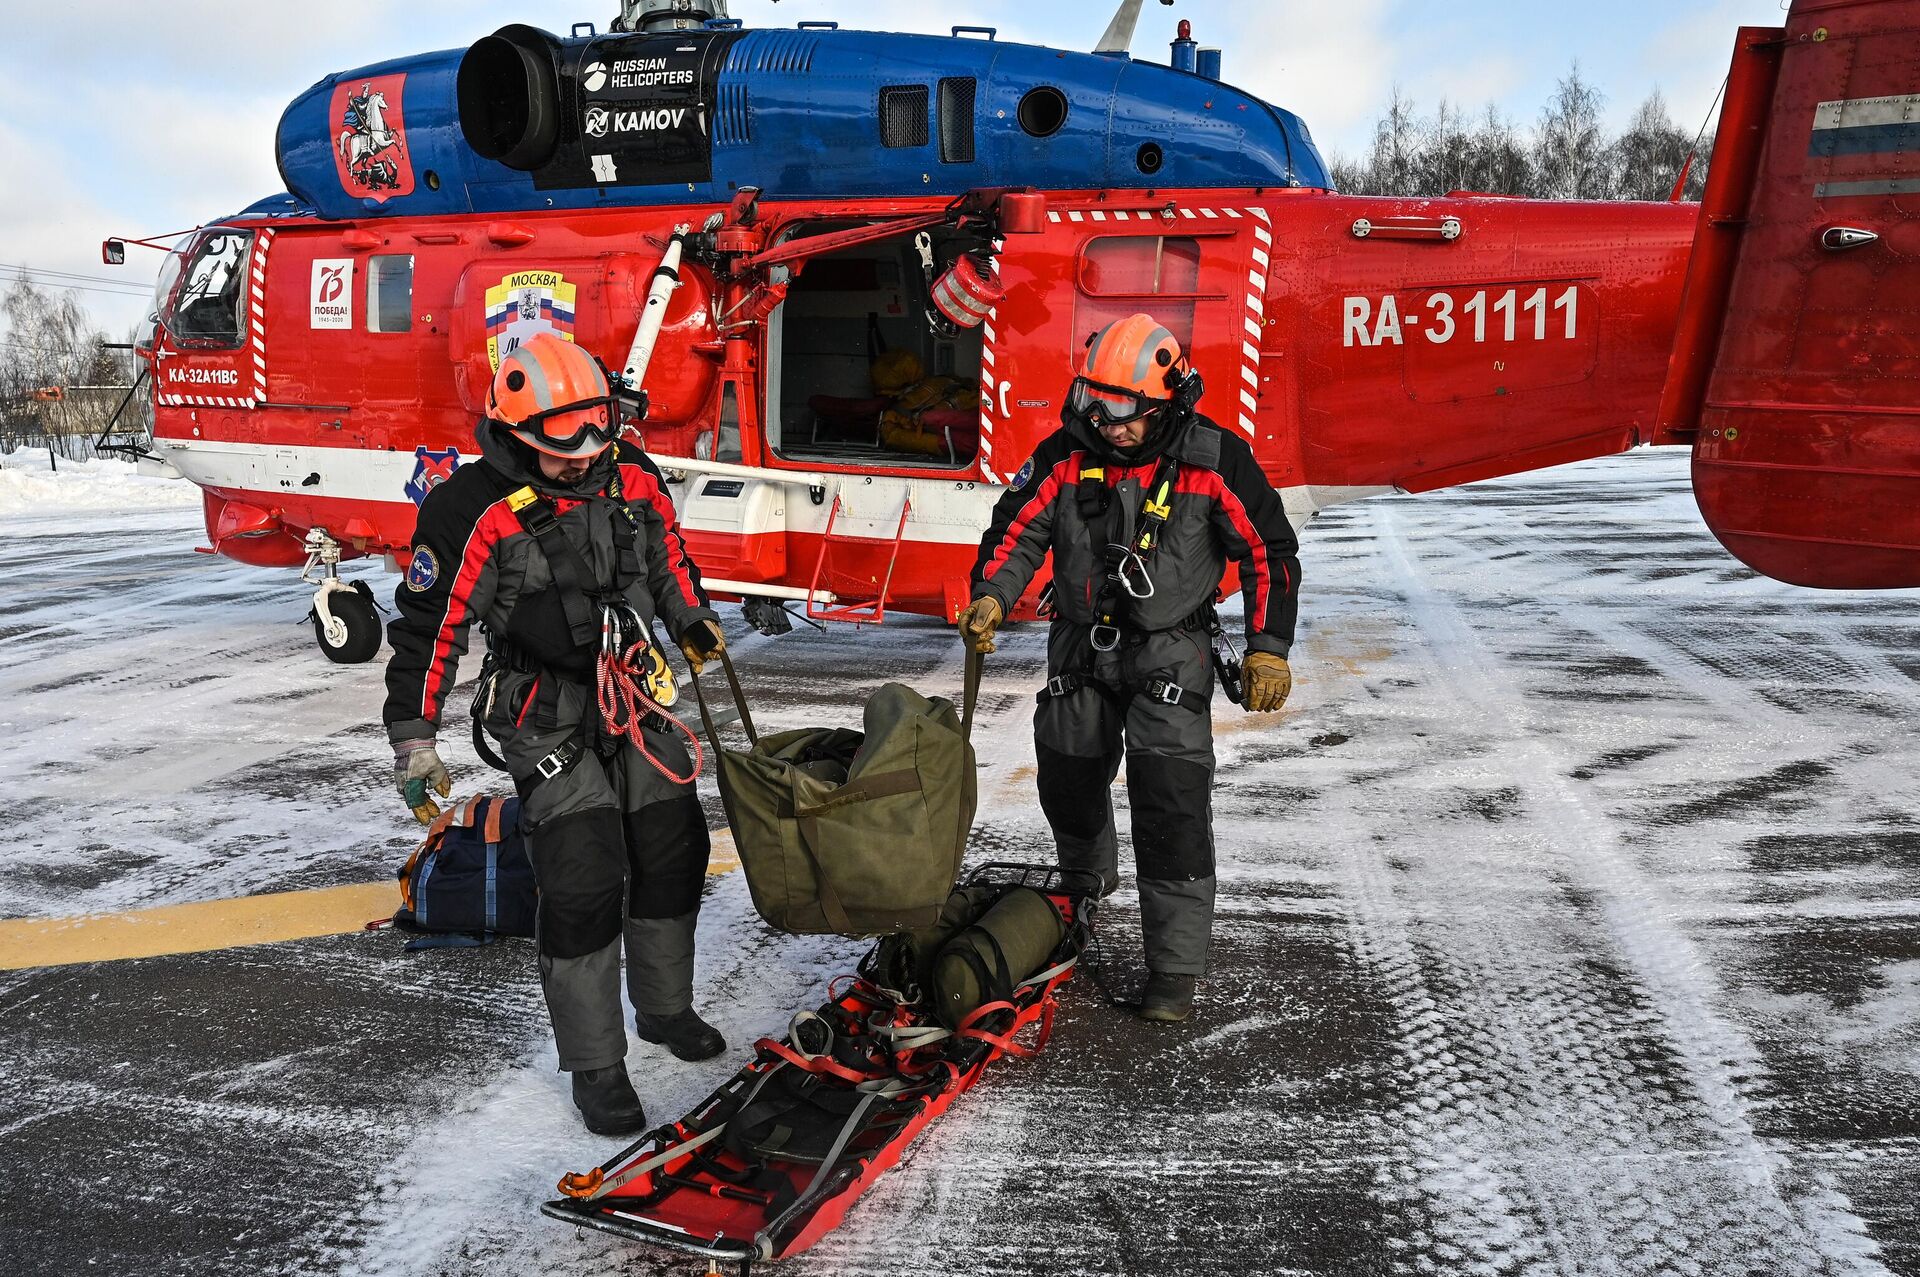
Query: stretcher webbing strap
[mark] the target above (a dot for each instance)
(739, 700)
(1048, 976)
(1001, 1041)
(815, 1064)
(847, 1131)
(495, 809)
(588, 1188)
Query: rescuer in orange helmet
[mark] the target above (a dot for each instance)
(1141, 501)
(556, 539)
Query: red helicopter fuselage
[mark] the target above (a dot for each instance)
(832, 441)
(1362, 345)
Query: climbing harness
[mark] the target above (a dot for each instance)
(1129, 577)
(633, 685)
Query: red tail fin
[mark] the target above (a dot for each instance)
(1796, 369)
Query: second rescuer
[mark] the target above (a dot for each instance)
(1141, 501)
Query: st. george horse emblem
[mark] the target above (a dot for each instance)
(370, 150)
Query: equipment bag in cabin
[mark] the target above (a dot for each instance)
(470, 882)
(855, 833)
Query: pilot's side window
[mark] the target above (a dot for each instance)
(904, 110)
(209, 310)
(390, 293)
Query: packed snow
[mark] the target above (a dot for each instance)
(1567, 927)
(32, 481)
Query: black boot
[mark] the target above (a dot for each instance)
(1168, 997)
(684, 1032)
(606, 1100)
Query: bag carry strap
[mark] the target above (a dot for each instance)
(976, 663)
(739, 700)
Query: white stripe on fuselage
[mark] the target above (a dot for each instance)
(945, 511)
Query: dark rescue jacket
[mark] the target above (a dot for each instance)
(1222, 507)
(474, 561)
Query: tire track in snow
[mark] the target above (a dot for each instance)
(1601, 1054)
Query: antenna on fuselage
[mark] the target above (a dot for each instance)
(1119, 36)
(671, 15)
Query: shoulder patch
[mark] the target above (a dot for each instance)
(1025, 475)
(423, 570)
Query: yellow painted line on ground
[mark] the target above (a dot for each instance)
(222, 924)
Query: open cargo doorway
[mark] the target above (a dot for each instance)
(860, 368)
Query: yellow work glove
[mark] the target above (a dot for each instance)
(979, 621)
(702, 640)
(1268, 682)
(417, 769)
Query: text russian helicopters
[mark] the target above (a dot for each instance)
(851, 270)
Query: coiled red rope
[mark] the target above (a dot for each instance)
(621, 687)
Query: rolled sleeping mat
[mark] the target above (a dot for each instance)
(904, 960)
(1010, 942)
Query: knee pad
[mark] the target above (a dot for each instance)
(669, 846)
(1073, 792)
(1172, 802)
(581, 867)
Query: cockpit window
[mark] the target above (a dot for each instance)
(208, 306)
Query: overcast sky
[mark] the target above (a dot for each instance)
(132, 117)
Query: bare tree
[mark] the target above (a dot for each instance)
(1647, 157)
(1568, 155)
(1444, 159)
(1396, 142)
(1497, 158)
(51, 342)
(1570, 144)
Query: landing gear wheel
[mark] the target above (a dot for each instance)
(354, 635)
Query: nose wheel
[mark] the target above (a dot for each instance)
(346, 622)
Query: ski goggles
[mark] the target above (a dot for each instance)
(599, 425)
(1101, 404)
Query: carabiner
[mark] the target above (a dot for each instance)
(1130, 564)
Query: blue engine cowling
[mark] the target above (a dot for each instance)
(526, 120)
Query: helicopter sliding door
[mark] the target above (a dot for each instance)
(1193, 264)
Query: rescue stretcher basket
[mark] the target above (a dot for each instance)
(772, 1161)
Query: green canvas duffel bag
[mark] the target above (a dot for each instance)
(854, 833)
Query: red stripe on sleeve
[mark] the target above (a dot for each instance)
(1048, 490)
(495, 523)
(636, 478)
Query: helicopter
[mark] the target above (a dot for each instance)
(843, 276)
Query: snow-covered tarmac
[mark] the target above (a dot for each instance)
(1568, 926)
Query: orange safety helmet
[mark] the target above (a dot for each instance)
(554, 397)
(1132, 367)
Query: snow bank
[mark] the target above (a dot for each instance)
(29, 485)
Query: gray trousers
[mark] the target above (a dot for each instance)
(620, 854)
(1080, 739)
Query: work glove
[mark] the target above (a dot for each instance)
(1268, 681)
(416, 770)
(979, 621)
(702, 640)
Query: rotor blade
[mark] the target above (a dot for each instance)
(1119, 36)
